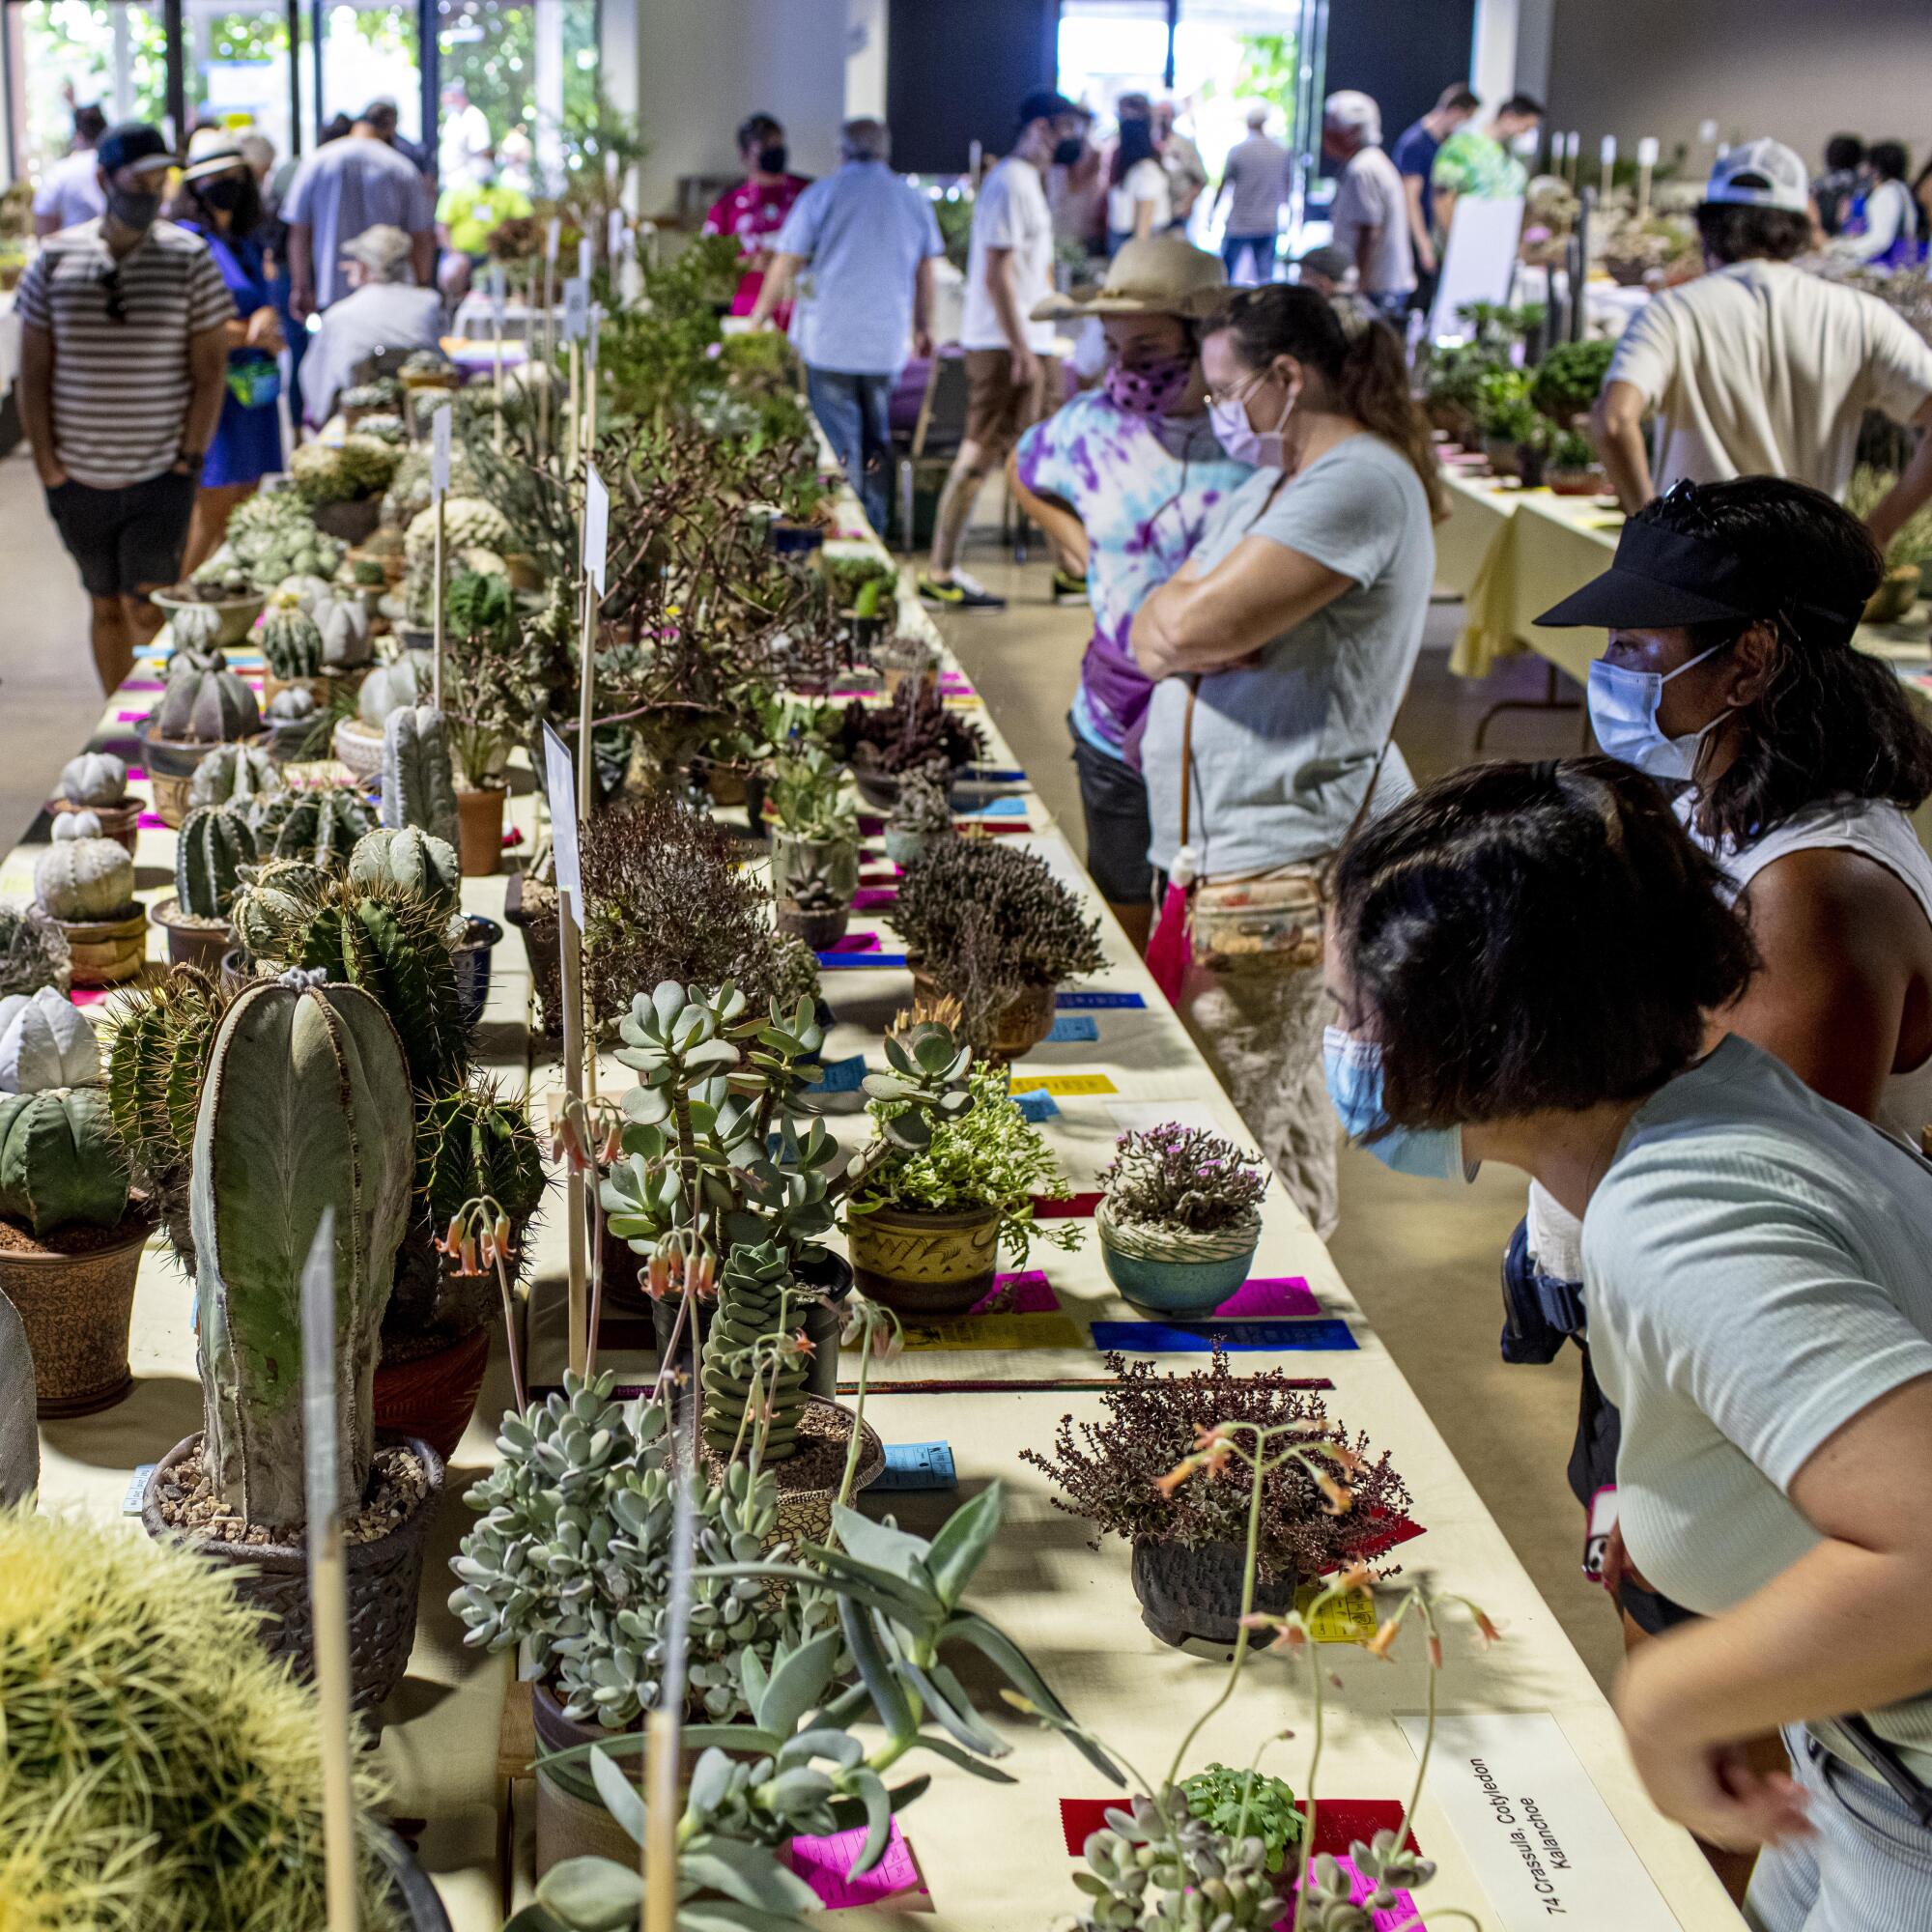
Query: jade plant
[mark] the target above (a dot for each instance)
(305, 1106)
(212, 845)
(234, 775)
(418, 784)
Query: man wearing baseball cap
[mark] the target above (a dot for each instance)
(383, 309)
(1760, 367)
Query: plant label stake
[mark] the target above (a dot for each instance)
(590, 385)
(553, 235)
(438, 489)
(1646, 160)
(1607, 154)
(575, 314)
(497, 342)
(327, 1582)
(596, 548)
(662, 1727)
(561, 784)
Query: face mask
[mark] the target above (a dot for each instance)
(772, 160)
(1623, 714)
(1152, 389)
(1355, 1073)
(225, 193)
(1239, 438)
(138, 212)
(1066, 153)
(1525, 143)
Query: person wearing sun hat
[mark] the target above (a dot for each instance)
(1760, 367)
(1125, 477)
(382, 309)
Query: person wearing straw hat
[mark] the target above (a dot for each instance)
(381, 311)
(1124, 478)
(221, 201)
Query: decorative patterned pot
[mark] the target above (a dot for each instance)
(1170, 1271)
(77, 1310)
(1196, 1594)
(107, 951)
(384, 1581)
(434, 1396)
(479, 813)
(121, 823)
(170, 764)
(472, 964)
(191, 942)
(924, 1264)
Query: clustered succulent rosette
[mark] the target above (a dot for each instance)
(915, 731)
(1182, 1177)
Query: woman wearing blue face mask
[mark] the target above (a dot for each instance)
(1281, 652)
(1528, 959)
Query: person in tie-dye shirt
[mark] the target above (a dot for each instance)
(1127, 475)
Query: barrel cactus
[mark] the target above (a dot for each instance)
(290, 643)
(82, 824)
(214, 844)
(233, 775)
(342, 624)
(33, 951)
(274, 901)
(162, 1038)
(94, 777)
(59, 1161)
(45, 1040)
(468, 523)
(205, 706)
(418, 784)
(293, 718)
(320, 823)
(400, 681)
(196, 627)
(749, 1340)
(411, 860)
(81, 879)
(305, 1106)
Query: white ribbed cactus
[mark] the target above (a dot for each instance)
(344, 625)
(84, 879)
(403, 680)
(94, 777)
(418, 784)
(45, 1041)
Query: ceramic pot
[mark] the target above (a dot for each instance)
(830, 859)
(792, 539)
(237, 613)
(238, 971)
(1895, 595)
(1576, 482)
(77, 1310)
(531, 907)
(410, 1889)
(903, 848)
(1196, 1594)
(349, 523)
(192, 941)
(273, 688)
(1501, 452)
(385, 1582)
(821, 930)
(434, 1396)
(107, 952)
(924, 1264)
(121, 823)
(1173, 1273)
(1022, 1023)
(170, 764)
(1529, 465)
(479, 814)
(358, 745)
(472, 960)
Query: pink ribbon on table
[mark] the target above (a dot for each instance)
(868, 898)
(1026, 1293)
(856, 941)
(1270, 1297)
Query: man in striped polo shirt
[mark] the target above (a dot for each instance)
(124, 363)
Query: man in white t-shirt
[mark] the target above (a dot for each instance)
(1370, 211)
(1760, 367)
(70, 191)
(1008, 275)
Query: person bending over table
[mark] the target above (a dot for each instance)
(1754, 1263)
(1281, 650)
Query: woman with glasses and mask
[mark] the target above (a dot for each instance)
(755, 209)
(1280, 653)
(1536, 965)
(1123, 478)
(220, 200)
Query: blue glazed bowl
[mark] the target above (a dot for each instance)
(473, 965)
(1173, 1287)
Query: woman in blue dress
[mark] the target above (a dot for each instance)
(220, 202)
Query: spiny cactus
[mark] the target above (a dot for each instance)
(80, 879)
(471, 1143)
(45, 1040)
(162, 1770)
(758, 1312)
(418, 785)
(305, 1104)
(272, 901)
(94, 777)
(33, 950)
(468, 523)
(342, 624)
(290, 643)
(234, 775)
(403, 680)
(203, 705)
(60, 1162)
(320, 823)
(162, 1036)
(214, 844)
(412, 859)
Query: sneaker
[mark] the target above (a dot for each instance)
(959, 592)
(1068, 588)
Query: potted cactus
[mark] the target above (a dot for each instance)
(70, 1235)
(203, 705)
(388, 686)
(297, 725)
(815, 825)
(85, 882)
(1181, 1218)
(318, 823)
(311, 642)
(305, 1104)
(96, 782)
(215, 842)
(417, 862)
(216, 607)
(418, 784)
(234, 775)
(920, 816)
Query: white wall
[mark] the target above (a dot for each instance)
(1509, 50)
(866, 58)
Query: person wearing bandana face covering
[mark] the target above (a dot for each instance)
(755, 209)
(1126, 476)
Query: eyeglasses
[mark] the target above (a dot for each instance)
(1240, 392)
(110, 284)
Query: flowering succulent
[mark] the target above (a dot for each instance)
(1175, 1177)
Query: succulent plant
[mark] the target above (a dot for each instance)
(345, 472)
(45, 1040)
(752, 1361)
(94, 777)
(471, 1143)
(274, 538)
(418, 784)
(401, 680)
(915, 730)
(319, 823)
(468, 523)
(305, 591)
(1146, 1876)
(214, 844)
(305, 1104)
(294, 719)
(809, 798)
(344, 627)
(162, 1036)
(33, 951)
(203, 705)
(922, 807)
(223, 576)
(1176, 1178)
(411, 860)
(234, 775)
(72, 825)
(290, 643)
(59, 1161)
(196, 628)
(83, 878)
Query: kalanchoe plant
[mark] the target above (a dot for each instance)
(922, 807)
(1182, 1177)
(1240, 1802)
(915, 731)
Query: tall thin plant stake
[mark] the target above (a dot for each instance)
(662, 1725)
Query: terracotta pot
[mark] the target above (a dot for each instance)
(1196, 1594)
(1576, 482)
(434, 1396)
(121, 823)
(107, 951)
(191, 942)
(821, 930)
(480, 812)
(924, 1264)
(385, 1582)
(77, 1310)
(349, 523)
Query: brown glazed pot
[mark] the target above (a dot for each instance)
(77, 1310)
(1023, 1022)
(105, 951)
(121, 823)
(1197, 1593)
(924, 1264)
(434, 1396)
(819, 929)
(480, 811)
(384, 1581)
(170, 764)
(191, 942)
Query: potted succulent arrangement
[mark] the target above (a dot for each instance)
(85, 882)
(925, 1225)
(221, 593)
(203, 705)
(865, 590)
(305, 1103)
(485, 716)
(1181, 1218)
(990, 925)
(342, 484)
(272, 538)
(1515, 439)
(296, 726)
(96, 782)
(1570, 469)
(920, 816)
(215, 842)
(71, 1234)
(1188, 1541)
(914, 732)
(814, 836)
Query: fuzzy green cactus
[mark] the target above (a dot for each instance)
(214, 844)
(202, 705)
(94, 777)
(33, 951)
(45, 1040)
(234, 775)
(759, 1311)
(403, 680)
(320, 823)
(84, 879)
(305, 1106)
(411, 860)
(418, 784)
(290, 643)
(60, 1162)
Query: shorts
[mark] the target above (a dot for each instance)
(997, 409)
(1114, 801)
(125, 540)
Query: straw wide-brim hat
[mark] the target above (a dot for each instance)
(211, 151)
(1159, 275)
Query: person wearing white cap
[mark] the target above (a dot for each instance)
(380, 311)
(1370, 213)
(1758, 368)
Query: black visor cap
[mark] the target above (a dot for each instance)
(1660, 579)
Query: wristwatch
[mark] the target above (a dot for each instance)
(190, 459)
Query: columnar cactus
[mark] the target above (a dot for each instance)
(759, 1311)
(94, 777)
(205, 706)
(410, 859)
(342, 629)
(234, 775)
(290, 643)
(59, 1162)
(321, 823)
(214, 844)
(80, 879)
(305, 1106)
(45, 1040)
(418, 784)
(400, 681)
(33, 950)
(471, 1144)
